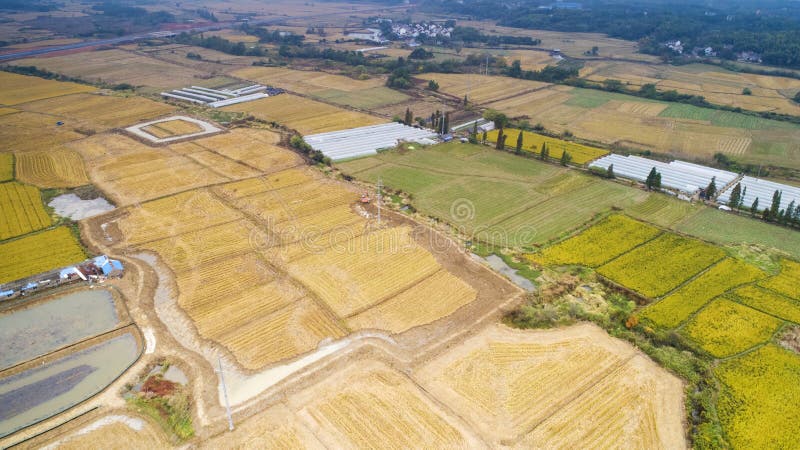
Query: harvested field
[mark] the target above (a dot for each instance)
(253, 148)
(371, 98)
(365, 271)
(120, 66)
(172, 128)
(304, 115)
(399, 414)
(306, 81)
(481, 89)
(22, 210)
(520, 387)
(26, 131)
(39, 252)
(662, 264)
(115, 433)
(109, 111)
(273, 428)
(22, 89)
(414, 307)
(54, 168)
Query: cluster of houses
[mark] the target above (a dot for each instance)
(421, 30)
(93, 270)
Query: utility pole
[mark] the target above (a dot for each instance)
(225, 394)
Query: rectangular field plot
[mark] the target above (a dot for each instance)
(661, 265)
(758, 396)
(677, 307)
(21, 89)
(769, 302)
(725, 328)
(55, 323)
(304, 115)
(432, 298)
(480, 88)
(525, 387)
(21, 210)
(366, 270)
(308, 81)
(26, 131)
(532, 142)
(6, 166)
(52, 168)
(39, 252)
(52, 387)
(105, 111)
(370, 403)
(254, 148)
(606, 240)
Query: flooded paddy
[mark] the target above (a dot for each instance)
(50, 324)
(51, 387)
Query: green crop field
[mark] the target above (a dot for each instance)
(6, 166)
(725, 228)
(723, 118)
(368, 98)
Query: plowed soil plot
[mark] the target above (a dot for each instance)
(568, 388)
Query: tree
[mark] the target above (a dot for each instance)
(515, 71)
(500, 120)
(775, 209)
(610, 171)
(657, 181)
(651, 179)
(788, 217)
(754, 207)
(747, 91)
(595, 50)
(741, 199)
(565, 158)
(446, 124)
(475, 128)
(711, 190)
(433, 85)
(465, 100)
(483, 138)
(797, 97)
(545, 153)
(518, 149)
(736, 196)
(501, 141)
(409, 119)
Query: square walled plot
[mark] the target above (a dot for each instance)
(170, 129)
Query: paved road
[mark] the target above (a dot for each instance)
(136, 37)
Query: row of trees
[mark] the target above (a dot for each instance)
(789, 216)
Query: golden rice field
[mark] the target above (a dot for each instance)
(172, 128)
(661, 265)
(725, 328)
(6, 166)
(110, 111)
(22, 210)
(524, 388)
(54, 168)
(39, 252)
(254, 148)
(304, 115)
(600, 243)
(532, 143)
(681, 304)
(481, 89)
(22, 89)
(398, 413)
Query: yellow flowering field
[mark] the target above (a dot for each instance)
(787, 281)
(581, 154)
(604, 241)
(37, 253)
(662, 264)
(677, 307)
(770, 302)
(759, 397)
(725, 328)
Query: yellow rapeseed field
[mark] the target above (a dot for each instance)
(532, 143)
